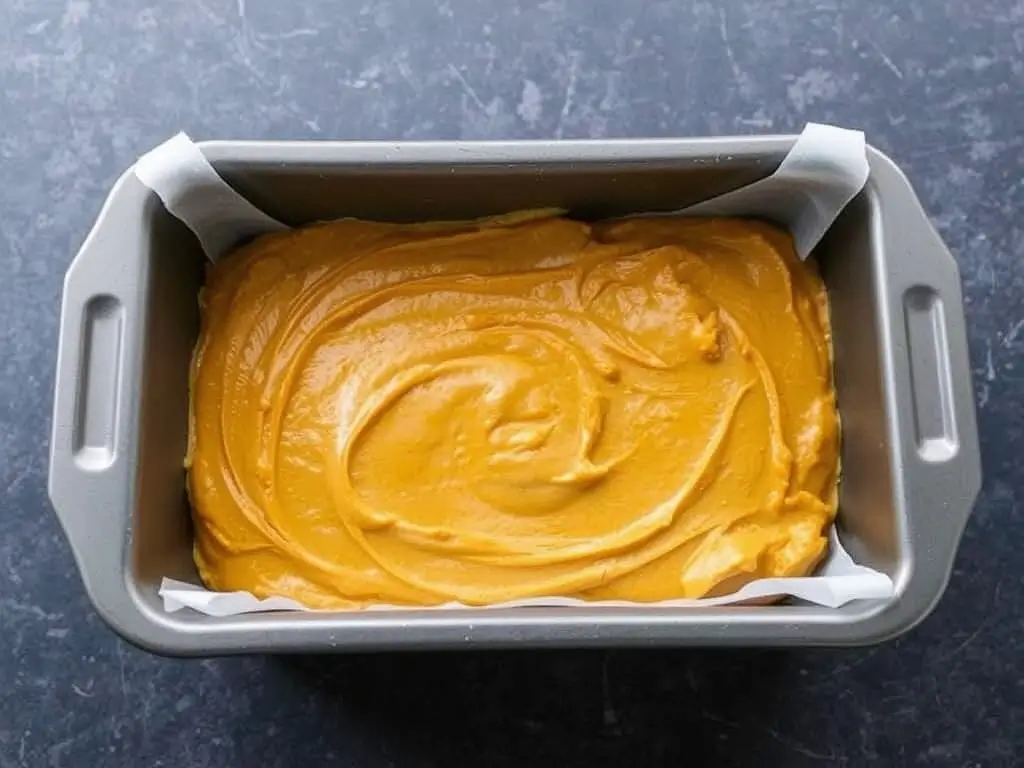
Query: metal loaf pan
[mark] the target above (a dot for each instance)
(911, 467)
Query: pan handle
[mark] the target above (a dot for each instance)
(93, 442)
(931, 399)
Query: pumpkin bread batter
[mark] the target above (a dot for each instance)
(515, 407)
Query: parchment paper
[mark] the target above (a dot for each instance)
(824, 170)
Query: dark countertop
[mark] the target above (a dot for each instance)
(90, 84)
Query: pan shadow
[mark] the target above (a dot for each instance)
(636, 707)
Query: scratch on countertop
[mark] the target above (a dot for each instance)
(403, 69)
(782, 739)
(886, 60)
(120, 662)
(470, 91)
(723, 30)
(1011, 334)
(570, 94)
(992, 612)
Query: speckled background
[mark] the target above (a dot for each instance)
(90, 84)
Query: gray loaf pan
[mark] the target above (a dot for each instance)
(911, 468)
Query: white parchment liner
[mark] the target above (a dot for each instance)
(824, 170)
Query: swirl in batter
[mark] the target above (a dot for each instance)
(516, 407)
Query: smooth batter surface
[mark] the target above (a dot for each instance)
(518, 407)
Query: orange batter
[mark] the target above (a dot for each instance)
(510, 408)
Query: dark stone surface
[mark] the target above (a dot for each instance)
(90, 84)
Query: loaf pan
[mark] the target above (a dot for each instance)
(130, 318)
